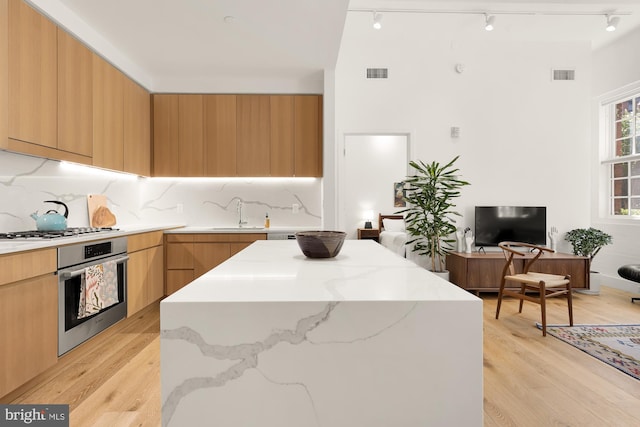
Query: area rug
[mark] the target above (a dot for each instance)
(617, 345)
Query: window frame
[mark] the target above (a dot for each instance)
(608, 158)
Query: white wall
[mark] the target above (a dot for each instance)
(614, 67)
(524, 139)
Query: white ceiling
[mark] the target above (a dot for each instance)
(170, 45)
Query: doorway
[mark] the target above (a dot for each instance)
(372, 164)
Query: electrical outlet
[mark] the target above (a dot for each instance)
(180, 208)
(295, 208)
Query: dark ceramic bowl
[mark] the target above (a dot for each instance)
(320, 244)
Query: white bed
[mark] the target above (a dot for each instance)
(393, 236)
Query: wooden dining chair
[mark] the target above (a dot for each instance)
(543, 284)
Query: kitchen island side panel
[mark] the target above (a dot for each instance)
(327, 363)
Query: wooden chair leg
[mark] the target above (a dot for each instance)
(543, 308)
(499, 298)
(523, 291)
(570, 303)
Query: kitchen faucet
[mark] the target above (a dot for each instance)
(240, 221)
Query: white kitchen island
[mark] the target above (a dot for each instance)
(271, 338)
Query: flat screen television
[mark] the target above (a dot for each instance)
(495, 224)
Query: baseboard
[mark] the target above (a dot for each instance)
(619, 283)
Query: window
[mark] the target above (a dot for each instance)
(622, 139)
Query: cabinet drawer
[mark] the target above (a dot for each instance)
(141, 241)
(24, 265)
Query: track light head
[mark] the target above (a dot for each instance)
(612, 22)
(377, 20)
(489, 21)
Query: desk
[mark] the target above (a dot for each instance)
(483, 271)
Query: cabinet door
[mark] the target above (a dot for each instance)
(177, 279)
(33, 78)
(190, 135)
(308, 135)
(155, 278)
(179, 256)
(137, 129)
(253, 144)
(75, 96)
(145, 283)
(136, 278)
(209, 255)
(28, 329)
(282, 135)
(4, 73)
(108, 116)
(220, 135)
(165, 135)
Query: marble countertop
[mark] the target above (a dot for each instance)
(278, 271)
(11, 246)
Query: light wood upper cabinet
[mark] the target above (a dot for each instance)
(165, 135)
(108, 116)
(308, 135)
(178, 135)
(4, 73)
(220, 135)
(190, 135)
(282, 133)
(253, 135)
(32, 76)
(137, 129)
(75, 96)
(237, 135)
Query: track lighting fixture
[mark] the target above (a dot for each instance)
(488, 22)
(377, 18)
(612, 22)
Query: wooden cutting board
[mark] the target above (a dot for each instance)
(99, 213)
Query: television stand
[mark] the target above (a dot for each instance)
(482, 272)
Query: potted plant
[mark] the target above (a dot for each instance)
(429, 215)
(588, 242)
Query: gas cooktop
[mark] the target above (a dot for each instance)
(69, 232)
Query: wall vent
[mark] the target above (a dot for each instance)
(562, 75)
(377, 73)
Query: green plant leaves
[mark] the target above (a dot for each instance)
(429, 217)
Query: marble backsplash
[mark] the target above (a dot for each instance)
(26, 182)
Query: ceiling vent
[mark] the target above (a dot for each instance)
(563, 75)
(377, 73)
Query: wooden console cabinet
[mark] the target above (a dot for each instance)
(483, 271)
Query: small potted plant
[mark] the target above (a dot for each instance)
(429, 217)
(588, 242)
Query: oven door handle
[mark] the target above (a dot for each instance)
(69, 274)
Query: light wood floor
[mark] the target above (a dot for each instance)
(114, 380)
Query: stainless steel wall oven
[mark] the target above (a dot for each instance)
(75, 327)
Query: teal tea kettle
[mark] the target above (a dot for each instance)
(51, 220)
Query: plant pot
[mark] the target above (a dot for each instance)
(443, 274)
(594, 284)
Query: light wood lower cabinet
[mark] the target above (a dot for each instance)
(189, 256)
(28, 316)
(145, 270)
